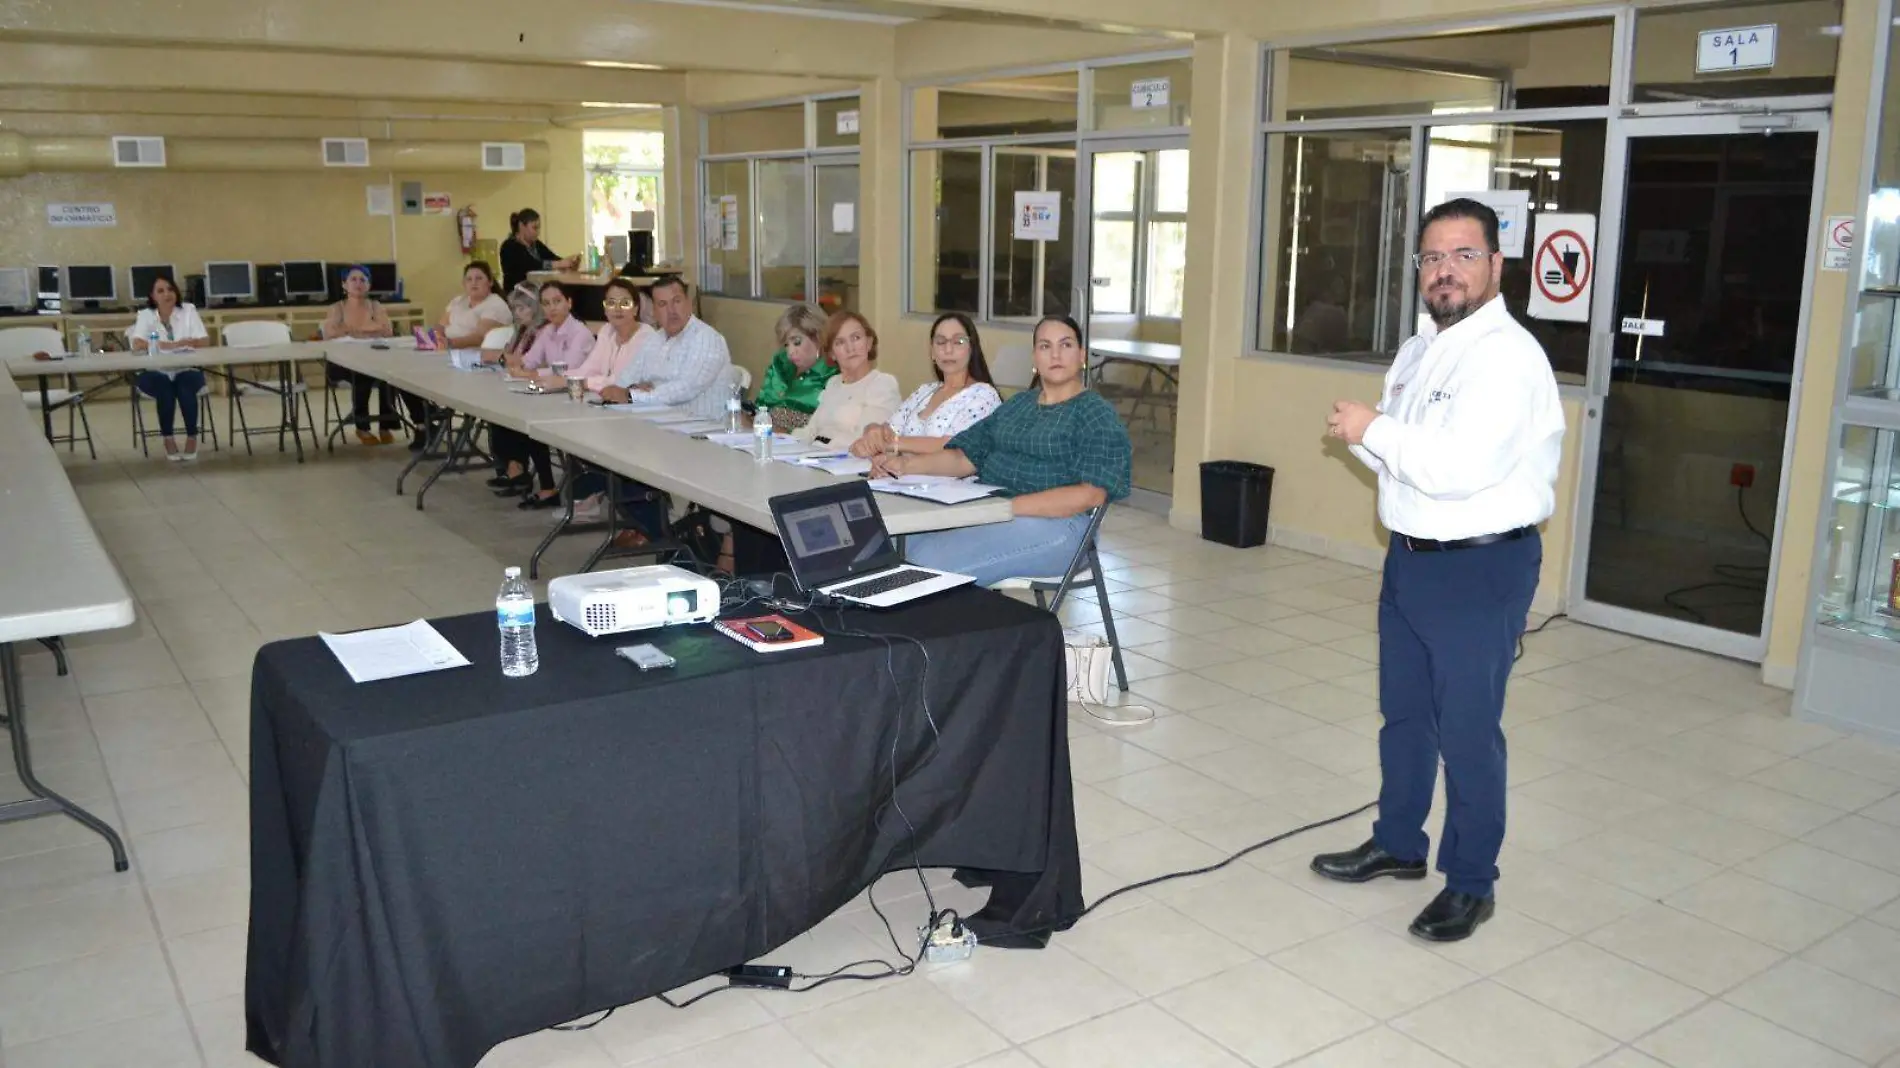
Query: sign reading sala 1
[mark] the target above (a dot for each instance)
(1736, 48)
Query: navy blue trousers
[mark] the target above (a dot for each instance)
(1448, 629)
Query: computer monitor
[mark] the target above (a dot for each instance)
(91, 285)
(142, 275)
(305, 280)
(18, 291)
(230, 282)
(383, 281)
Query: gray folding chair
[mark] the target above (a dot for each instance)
(1084, 567)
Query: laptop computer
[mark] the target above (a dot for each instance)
(835, 539)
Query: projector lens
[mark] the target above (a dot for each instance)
(680, 604)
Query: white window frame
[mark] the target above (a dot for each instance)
(1143, 217)
(812, 157)
(1084, 131)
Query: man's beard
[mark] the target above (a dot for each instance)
(1449, 306)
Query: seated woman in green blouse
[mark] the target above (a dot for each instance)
(799, 369)
(1059, 450)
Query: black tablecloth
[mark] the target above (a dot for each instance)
(446, 861)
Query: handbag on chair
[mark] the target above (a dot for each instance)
(1088, 660)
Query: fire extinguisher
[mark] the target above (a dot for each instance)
(465, 226)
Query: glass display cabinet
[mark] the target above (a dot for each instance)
(1850, 664)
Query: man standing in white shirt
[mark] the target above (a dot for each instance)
(1466, 442)
(687, 364)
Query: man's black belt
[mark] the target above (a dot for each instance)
(1426, 545)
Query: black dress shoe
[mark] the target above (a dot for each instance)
(1452, 916)
(500, 481)
(1366, 863)
(535, 502)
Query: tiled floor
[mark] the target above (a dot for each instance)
(1691, 878)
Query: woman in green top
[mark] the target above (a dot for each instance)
(1058, 449)
(799, 369)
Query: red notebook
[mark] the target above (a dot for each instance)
(743, 631)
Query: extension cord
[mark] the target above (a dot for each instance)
(949, 943)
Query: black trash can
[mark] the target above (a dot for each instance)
(1234, 499)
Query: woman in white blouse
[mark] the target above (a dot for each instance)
(166, 324)
(860, 394)
(959, 399)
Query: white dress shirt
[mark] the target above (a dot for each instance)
(1471, 431)
(689, 368)
(184, 326)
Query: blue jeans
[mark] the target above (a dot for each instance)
(179, 392)
(1024, 547)
(1448, 629)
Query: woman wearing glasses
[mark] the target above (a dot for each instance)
(962, 395)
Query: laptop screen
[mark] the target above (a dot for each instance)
(832, 533)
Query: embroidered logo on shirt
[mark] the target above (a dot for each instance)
(1436, 396)
(1397, 389)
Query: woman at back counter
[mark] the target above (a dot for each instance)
(523, 252)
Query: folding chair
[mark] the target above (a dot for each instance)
(1084, 567)
(259, 334)
(24, 341)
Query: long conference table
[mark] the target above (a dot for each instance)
(222, 361)
(58, 581)
(728, 481)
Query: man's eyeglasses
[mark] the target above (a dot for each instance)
(619, 302)
(958, 342)
(1462, 256)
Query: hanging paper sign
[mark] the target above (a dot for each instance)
(1563, 267)
(1149, 93)
(1838, 233)
(847, 122)
(1736, 48)
(1038, 215)
(1514, 210)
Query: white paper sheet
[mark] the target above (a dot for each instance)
(697, 426)
(936, 488)
(835, 463)
(392, 652)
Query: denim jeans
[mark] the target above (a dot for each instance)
(173, 393)
(1024, 547)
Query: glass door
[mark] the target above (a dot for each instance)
(1699, 342)
(1131, 258)
(835, 208)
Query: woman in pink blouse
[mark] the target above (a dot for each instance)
(619, 340)
(561, 341)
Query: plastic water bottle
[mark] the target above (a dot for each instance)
(514, 613)
(762, 434)
(84, 340)
(735, 408)
(151, 343)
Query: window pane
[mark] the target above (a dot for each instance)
(1167, 267)
(623, 177)
(784, 252)
(1566, 64)
(1113, 275)
(1337, 263)
(774, 129)
(1032, 278)
(1117, 181)
(1171, 180)
(1560, 166)
(946, 225)
(996, 107)
(828, 112)
(1804, 59)
(728, 207)
(837, 237)
(1118, 107)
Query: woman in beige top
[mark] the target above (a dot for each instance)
(860, 394)
(359, 317)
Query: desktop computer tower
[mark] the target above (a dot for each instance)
(639, 251)
(195, 290)
(270, 285)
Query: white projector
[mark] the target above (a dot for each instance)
(632, 598)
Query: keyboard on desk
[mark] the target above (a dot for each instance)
(898, 579)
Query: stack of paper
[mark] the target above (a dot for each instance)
(834, 463)
(391, 652)
(938, 488)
